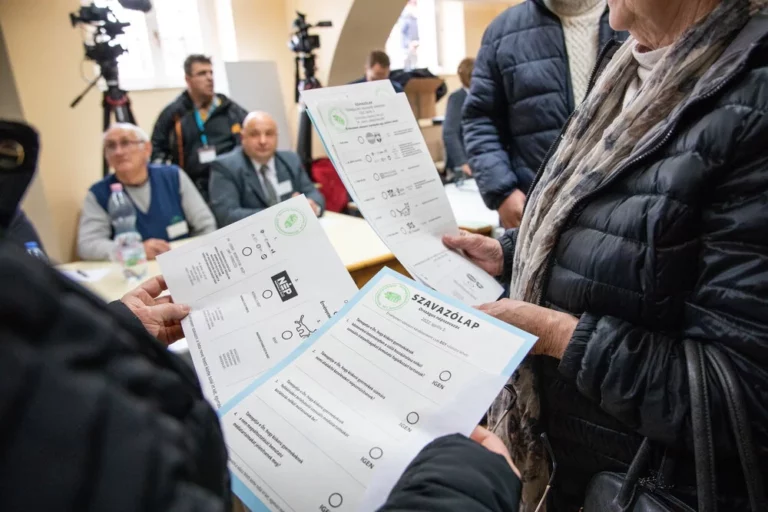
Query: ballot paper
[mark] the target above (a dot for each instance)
(377, 147)
(334, 424)
(256, 289)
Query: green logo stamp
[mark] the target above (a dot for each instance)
(338, 119)
(290, 221)
(392, 297)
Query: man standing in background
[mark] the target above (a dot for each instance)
(198, 125)
(453, 137)
(532, 70)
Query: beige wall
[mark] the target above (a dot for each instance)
(46, 55)
(477, 17)
(262, 29)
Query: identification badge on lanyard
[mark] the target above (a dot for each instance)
(177, 229)
(284, 187)
(206, 154)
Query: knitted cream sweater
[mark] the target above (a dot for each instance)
(581, 27)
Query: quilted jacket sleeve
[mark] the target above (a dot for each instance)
(484, 122)
(455, 474)
(639, 375)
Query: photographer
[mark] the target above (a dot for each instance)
(198, 125)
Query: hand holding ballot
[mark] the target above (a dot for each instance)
(346, 412)
(378, 150)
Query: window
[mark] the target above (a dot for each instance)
(428, 34)
(158, 42)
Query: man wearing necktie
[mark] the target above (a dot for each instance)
(256, 176)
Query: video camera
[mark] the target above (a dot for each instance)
(302, 41)
(106, 27)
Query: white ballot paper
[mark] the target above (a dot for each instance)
(378, 149)
(256, 289)
(334, 424)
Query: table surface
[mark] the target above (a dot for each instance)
(355, 241)
(469, 208)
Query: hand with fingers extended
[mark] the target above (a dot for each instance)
(483, 251)
(160, 316)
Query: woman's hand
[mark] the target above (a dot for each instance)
(491, 442)
(160, 316)
(483, 251)
(553, 328)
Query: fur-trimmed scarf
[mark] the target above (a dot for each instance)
(600, 139)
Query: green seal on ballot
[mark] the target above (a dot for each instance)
(290, 221)
(338, 119)
(392, 296)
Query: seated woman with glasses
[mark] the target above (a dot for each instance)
(168, 206)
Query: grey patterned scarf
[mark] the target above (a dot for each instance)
(600, 140)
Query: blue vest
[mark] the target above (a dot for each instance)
(164, 204)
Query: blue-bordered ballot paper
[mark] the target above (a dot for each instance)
(334, 424)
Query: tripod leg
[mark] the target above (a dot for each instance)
(107, 115)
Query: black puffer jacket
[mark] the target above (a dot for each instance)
(519, 98)
(673, 247)
(95, 414)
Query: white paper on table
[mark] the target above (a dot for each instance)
(342, 415)
(256, 289)
(378, 147)
(87, 276)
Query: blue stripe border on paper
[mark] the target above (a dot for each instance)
(242, 490)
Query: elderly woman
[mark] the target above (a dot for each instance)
(645, 226)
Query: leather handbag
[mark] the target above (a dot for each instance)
(629, 492)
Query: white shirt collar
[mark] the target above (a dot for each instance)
(271, 169)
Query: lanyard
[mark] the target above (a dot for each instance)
(201, 125)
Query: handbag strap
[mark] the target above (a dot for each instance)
(742, 429)
(697, 355)
(701, 425)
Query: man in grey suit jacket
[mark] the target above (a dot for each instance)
(256, 176)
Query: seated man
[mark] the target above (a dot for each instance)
(377, 68)
(255, 175)
(168, 206)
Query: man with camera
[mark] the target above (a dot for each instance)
(198, 125)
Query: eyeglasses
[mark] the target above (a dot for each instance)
(544, 440)
(125, 144)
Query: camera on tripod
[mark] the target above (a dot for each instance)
(302, 41)
(106, 27)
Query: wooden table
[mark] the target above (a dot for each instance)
(358, 246)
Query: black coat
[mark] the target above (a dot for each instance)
(222, 128)
(95, 414)
(454, 474)
(519, 98)
(673, 247)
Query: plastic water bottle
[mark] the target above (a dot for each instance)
(129, 248)
(35, 251)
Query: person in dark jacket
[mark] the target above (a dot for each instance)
(198, 125)
(377, 67)
(22, 231)
(453, 140)
(644, 228)
(531, 71)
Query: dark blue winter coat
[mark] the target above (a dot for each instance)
(519, 98)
